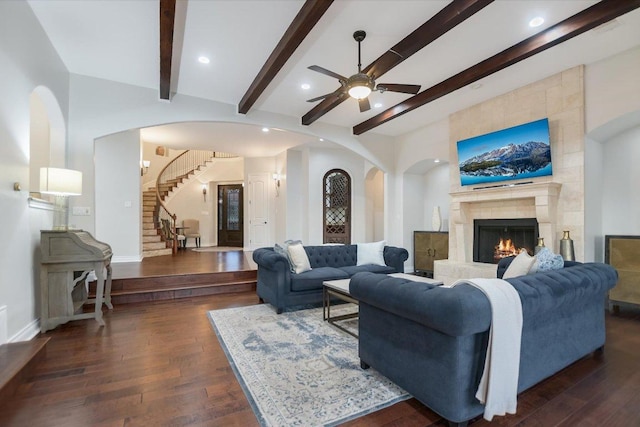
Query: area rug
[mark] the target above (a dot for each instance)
(297, 370)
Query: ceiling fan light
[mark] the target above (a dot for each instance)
(359, 92)
(360, 85)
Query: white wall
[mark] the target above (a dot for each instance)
(118, 208)
(612, 88)
(27, 60)
(436, 193)
(374, 204)
(593, 204)
(620, 178)
(294, 214)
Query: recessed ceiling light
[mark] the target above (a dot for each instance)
(476, 86)
(377, 105)
(203, 60)
(536, 22)
(265, 129)
(321, 139)
(305, 86)
(436, 161)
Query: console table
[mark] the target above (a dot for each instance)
(67, 259)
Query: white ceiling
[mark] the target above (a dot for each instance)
(119, 41)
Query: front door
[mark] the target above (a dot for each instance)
(230, 217)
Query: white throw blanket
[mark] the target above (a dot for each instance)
(498, 388)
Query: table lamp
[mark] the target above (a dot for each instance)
(60, 183)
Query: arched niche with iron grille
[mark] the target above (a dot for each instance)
(337, 207)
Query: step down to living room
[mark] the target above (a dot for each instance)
(18, 362)
(154, 288)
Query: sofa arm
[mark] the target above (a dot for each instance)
(458, 311)
(270, 259)
(395, 257)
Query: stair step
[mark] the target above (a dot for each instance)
(180, 286)
(150, 232)
(151, 246)
(157, 252)
(147, 214)
(151, 238)
(18, 361)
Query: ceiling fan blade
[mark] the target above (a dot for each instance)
(392, 87)
(330, 73)
(364, 104)
(338, 93)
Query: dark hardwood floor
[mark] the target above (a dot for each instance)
(159, 363)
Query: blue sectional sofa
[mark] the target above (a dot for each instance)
(432, 341)
(282, 288)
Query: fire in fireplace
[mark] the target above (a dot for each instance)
(494, 239)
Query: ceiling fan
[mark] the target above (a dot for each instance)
(360, 85)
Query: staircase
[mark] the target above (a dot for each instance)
(180, 169)
(153, 243)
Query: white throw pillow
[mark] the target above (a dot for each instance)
(299, 258)
(371, 253)
(520, 265)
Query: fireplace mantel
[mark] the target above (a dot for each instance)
(538, 199)
(541, 195)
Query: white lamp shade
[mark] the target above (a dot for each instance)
(61, 182)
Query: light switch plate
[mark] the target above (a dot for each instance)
(81, 210)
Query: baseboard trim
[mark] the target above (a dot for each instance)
(28, 332)
(117, 259)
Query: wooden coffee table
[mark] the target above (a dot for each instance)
(340, 290)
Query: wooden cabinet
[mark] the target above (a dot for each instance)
(621, 252)
(429, 246)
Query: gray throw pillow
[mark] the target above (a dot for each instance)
(284, 250)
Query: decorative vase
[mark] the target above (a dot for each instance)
(436, 220)
(539, 246)
(566, 247)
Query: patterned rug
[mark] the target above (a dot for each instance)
(297, 370)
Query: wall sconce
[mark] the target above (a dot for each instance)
(144, 167)
(276, 179)
(204, 191)
(61, 183)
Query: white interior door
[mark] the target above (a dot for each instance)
(258, 211)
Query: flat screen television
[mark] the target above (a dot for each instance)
(515, 153)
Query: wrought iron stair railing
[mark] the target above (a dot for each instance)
(174, 173)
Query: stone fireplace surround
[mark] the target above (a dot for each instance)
(536, 200)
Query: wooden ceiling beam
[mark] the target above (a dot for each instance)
(453, 14)
(579, 23)
(167, 21)
(305, 20)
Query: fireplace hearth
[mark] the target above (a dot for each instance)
(494, 239)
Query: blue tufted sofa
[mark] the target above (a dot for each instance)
(432, 341)
(282, 288)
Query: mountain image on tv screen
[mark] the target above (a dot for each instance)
(514, 153)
